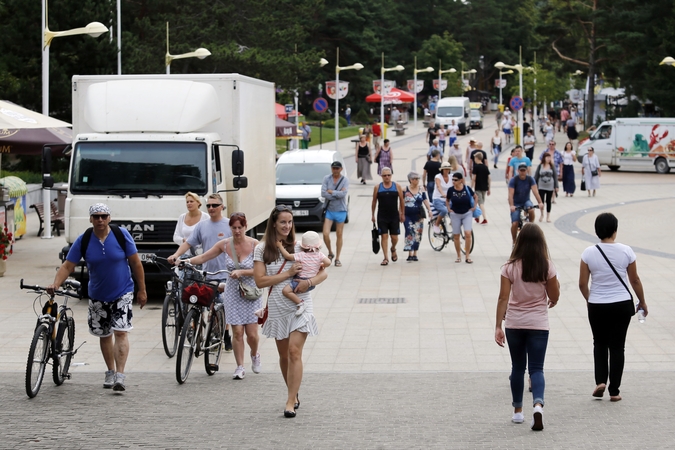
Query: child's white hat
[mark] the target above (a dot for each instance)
(311, 241)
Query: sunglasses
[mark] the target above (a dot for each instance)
(386, 174)
(283, 208)
(213, 205)
(100, 216)
(455, 179)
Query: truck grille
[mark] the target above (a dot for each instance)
(150, 231)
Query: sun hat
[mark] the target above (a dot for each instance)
(446, 165)
(311, 241)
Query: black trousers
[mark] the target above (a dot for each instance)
(546, 197)
(609, 324)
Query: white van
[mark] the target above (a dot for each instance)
(638, 143)
(454, 108)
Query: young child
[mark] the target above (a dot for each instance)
(311, 259)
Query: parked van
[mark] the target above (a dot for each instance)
(454, 108)
(638, 143)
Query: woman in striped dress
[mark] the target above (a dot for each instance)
(386, 157)
(270, 269)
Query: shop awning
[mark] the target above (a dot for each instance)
(285, 129)
(25, 132)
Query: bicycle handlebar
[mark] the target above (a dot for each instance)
(69, 284)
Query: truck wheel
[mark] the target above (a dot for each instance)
(661, 165)
(613, 168)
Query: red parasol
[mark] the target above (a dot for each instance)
(396, 96)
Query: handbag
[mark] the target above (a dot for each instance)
(476, 212)
(614, 270)
(583, 184)
(376, 239)
(246, 291)
(594, 173)
(263, 313)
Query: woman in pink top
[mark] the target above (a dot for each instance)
(529, 286)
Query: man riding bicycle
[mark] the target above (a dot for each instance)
(519, 197)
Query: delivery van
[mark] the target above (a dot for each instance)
(454, 108)
(636, 143)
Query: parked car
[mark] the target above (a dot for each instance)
(476, 118)
(299, 177)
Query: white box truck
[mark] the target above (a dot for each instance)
(636, 143)
(142, 141)
(454, 108)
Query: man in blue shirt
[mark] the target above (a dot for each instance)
(519, 197)
(306, 135)
(111, 289)
(516, 160)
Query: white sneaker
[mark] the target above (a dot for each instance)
(255, 363)
(239, 373)
(518, 417)
(119, 382)
(538, 418)
(301, 308)
(437, 229)
(109, 379)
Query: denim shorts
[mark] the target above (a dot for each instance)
(294, 283)
(515, 215)
(439, 206)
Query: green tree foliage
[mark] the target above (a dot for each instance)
(447, 52)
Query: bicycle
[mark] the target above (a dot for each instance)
(50, 341)
(200, 334)
(438, 241)
(523, 216)
(173, 310)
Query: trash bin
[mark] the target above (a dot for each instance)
(384, 131)
(501, 107)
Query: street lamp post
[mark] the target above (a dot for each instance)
(441, 72)
(500, 83)
(467, 72)
(200, 53)
(382, 71)
(94, 29)
(336, 116)
(500, 65)
(415, 72)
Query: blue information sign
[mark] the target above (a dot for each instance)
(320, 105)
(289, 108)
(516, 103)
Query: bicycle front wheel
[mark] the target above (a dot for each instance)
(37, 360)
(213, 347)
(437, 240)
(462, 243)
(170, 324)
(187, 345)
(63, 349)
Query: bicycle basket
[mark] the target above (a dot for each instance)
(199, 292)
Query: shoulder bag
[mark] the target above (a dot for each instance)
(263, 313)
(614, 270)
(476, 212)
(246, 291)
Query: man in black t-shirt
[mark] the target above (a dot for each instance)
(472, 155)
(431, 169)
(480, 182)
(432, 132)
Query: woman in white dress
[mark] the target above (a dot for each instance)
(187, 221)
(590, 170)
(270, 269)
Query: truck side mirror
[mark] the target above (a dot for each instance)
(237, 162)
(240, 182)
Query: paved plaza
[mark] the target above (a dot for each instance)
(423, 373)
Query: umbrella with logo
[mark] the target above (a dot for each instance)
(285, 129)
(25, 132)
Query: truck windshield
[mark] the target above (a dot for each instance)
(139, 168)
(302, 173)
(450, 111)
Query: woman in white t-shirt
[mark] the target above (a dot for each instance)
(496, 147)
(442, 181)
(609, 301)
(529, 287)
(188, 221)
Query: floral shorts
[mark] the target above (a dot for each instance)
(106, 317)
